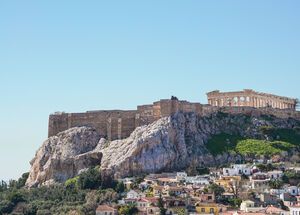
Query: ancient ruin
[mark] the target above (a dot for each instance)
(250, 98)
(119, 124)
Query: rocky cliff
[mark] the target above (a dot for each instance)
(168, 144)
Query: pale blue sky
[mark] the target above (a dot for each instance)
(85, 55)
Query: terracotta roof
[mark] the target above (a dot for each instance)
(251, 213)
(167, 179)
(272, 209)
(175, 188)
(158, 187)
(105, 208)
(151, 199)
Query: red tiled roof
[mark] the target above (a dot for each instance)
(151, 199)
(272, 209)
(105, 208)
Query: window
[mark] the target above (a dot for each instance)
(211, 210)
(202, 210)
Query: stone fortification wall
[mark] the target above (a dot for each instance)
(119, 124)
(114, 124)
(280, 113)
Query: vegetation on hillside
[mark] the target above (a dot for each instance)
(80, 195)
(252, 147)
(281, 140)
(223, 143)
(288, 135)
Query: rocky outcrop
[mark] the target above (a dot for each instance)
(64, 156)
(168, 144)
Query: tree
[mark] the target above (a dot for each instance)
(72, 183)
(91, 179)
(6, 207)
(3, 186)
(266, 167)
(22, 180)
(202, 170)
(120, 187)
(275, 184)
(218, 190)
(160, 204)
(15, 197)
(235, 202)
(234, 187)
(130, 209)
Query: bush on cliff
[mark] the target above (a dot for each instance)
(223, 142)
(91, 179)
(254, 147)
(284, 134)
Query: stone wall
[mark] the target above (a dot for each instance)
(119, 124)
(114, 124)
(250, 98)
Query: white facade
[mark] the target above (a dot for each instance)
(277, 192)
(237, 169)
(275, 174)
(293, 190)
(181, 174)
(132, 195)
(197, 180)
(294, 210)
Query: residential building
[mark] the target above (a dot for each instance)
(106, 210)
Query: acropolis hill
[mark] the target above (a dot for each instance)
(119, 124)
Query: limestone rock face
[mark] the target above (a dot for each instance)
(172, 143)
(64, 156)
(168, 144)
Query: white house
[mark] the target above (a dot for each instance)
(259, 181)
(277, 192)
(276, 174)
(181, 176)
(237, 169)
(248, 206)
(294, 210)
(106, 210)
(293, 190)
(197, 180)
(132, 195)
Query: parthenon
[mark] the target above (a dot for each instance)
(250, 98)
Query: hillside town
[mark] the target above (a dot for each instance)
(261, 187)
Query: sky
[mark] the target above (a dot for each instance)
(76, 56)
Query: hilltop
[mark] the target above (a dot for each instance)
(171, 143)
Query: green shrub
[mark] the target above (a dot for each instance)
(262, 147)
(130, 209)
(91, 179)
(6, 207)
(284, 134)
(72, 183)
(222, 142)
